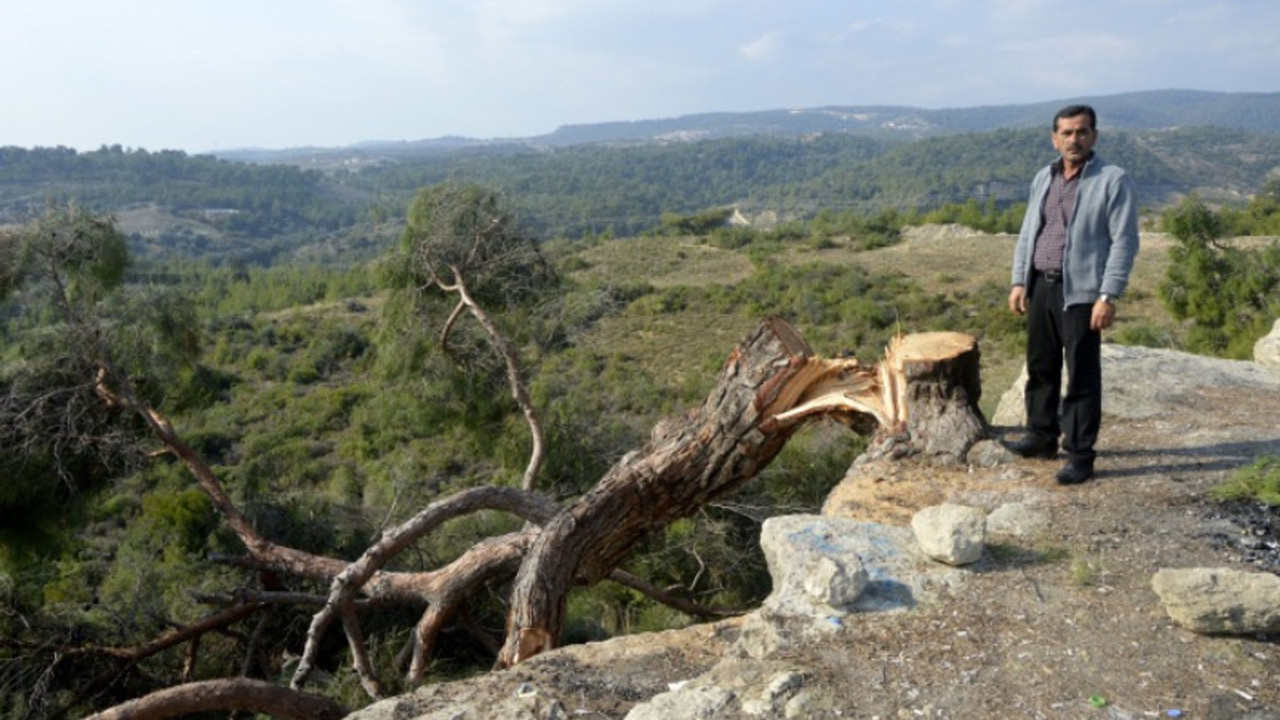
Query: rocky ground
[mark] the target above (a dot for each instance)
(1057, 620)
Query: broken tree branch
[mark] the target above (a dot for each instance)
(236, 694)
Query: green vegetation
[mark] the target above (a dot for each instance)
(1261, 216)
(1256, 482)
(1231, 294)
(1085, 570)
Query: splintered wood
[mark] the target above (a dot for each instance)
(923, 378)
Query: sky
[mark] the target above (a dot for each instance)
(205, 75)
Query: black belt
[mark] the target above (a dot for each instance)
(1052, 276)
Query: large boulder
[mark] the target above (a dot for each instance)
(1220, 600)
(1141, 383)
(815, 564)
(827, 567)
(1267, 350)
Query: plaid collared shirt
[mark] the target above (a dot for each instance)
(1055, 218)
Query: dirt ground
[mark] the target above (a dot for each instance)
(1059, 624)
(1048, 623)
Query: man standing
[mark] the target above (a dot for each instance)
(1072, 262)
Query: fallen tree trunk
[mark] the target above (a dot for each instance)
(214, 695)
(921, 399)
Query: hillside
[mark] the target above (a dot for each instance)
(343, 205)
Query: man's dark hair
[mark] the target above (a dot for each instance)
(1071, 111)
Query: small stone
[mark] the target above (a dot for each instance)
(989, 454)
(950, 533)
(1016, 520)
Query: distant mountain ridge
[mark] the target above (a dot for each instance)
(1136, 111)
(1150, 110)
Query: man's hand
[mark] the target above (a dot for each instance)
(1018, 300)
(1104, 313)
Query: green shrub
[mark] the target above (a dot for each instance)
(1228, 293)
(179, 520)
(1259, 481)
(733, 237)
(1143, 334)
(695, 224)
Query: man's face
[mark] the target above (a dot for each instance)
(1074, 138)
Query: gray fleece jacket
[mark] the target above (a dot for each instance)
(1102, 235)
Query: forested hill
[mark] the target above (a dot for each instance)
(200, 197)
(1137, 111)
(339, 202)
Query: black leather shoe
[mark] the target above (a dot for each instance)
(1075, 472)
(1033, 447)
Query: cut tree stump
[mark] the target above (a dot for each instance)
(921, 400)
(937, 387)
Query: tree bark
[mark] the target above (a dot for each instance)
(213, 695)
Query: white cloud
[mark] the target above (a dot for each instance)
(762, 49)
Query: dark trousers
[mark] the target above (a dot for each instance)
(1054, 334)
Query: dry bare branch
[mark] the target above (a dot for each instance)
(353, 578)
(684, 605)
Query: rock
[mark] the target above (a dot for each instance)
(1012, 410)
(800, 612)
(834, 583)
(530, 708)
(935, 232)
(1220, 600)
(781, 686)
(1141, 383)
(1016, 519)
(1267, 350)
(765, 634)
(684, 704)
(808, 704)
(815, 570)
(949, 533)
(989, 454)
